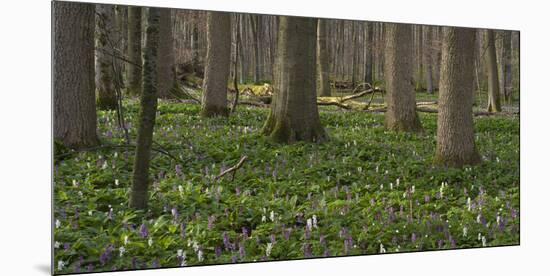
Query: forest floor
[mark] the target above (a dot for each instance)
(366, 191)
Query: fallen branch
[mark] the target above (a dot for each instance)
(338, 104)
(232, 169)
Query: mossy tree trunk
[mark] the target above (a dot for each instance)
(400, 97)
(455, 124)
(167, 78)
(218, 61)
(322, 59)
(74, 118)
(507, 64)
(294, 115)
(148, 100)
(105, 81)
(492, 73)
(134, 51)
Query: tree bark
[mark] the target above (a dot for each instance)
(400, 97)
(106, 95)
(455, 125)
(322, 59)
(369, 40)
(294, 115)
(75, 118)
(148, 100)
(166, 76)
(218, 61)
(428, 59)
(507, 60)
(492, 73)
(134, 51)
(121, 15)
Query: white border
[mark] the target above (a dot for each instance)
(25, 136)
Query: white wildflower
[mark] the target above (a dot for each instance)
(263, 218)
(469, 202)
(75, 183)
(391, 186)
(90, 213)
(272, 215)
(268, 249)
(465, 231)
(105, 165)
(195, 246)
(397, 182)
(122, 250)
(180, 188)
(150, 242)
(478, 236)
(376, 168)
(200, 255)
(381, 186)
(116, 154)
(309, 224)
(478, 219)
(125, 240)
(382, 249)
(180, 253)
(498, 220)
(60, 265)
(116, 182)
(56, 244)
(314, 218)
(412, 189)
(483, 241)
(80, 193)
(57, 223)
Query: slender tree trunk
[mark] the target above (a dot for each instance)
(322, 59)
(368, 52)
(353, 54)
(148, 99)
(106, 96)
(400, 97)
(455, 124)
(492, 73)
(428, 50)
(294, 115)
(507, 60)
(167, 78)
(134, 51)
(122, 40)
(195, 44)
(255, 21)
(74, 116)
(218, 61)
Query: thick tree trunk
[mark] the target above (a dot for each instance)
(455, 125)
(106, 95)
(353, 54)
(428, 59)
(195, 60)
(166, 76)
(400, 97)
(121, 40)
(218, 59)
(256, 29)
(294, 115)
(492, 73)
(148, 99)
(369, 40)
(75, 118)
(134, 51)
(322, 59)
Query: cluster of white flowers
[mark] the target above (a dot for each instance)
(272, 215)
(56, 244)
(314, 219)
(309, 224)
(116, 182)
(465, 231)
(150, 242)
(469, 203)
(60, 265)
(181, 254)
(268, 249)
(122, 250)
(382, 249)
(483, 241)
(125, 240)
(200, 255)
(57, 223)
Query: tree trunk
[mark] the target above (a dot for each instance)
(75, 118)
(106, 96)
(166, 76)
(455, 124)
(122, 39)
(218, 59)
(195, 60)
(369, 40)
(322, 59)
(148, 99)
(507, 60)
(428, 50)
(400, 97)
(353, 54)
(134, 51)
(294, 115)
(492, 73)
(255, 23)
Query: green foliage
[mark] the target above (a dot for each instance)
(358, 186)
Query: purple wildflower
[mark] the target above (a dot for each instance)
(178, 170)
(307, 233)
(426, 198)
(245, 231)
(233, 259)
(413, 237)
(143, 232)
(155, 264)
(226, 242)
(272, 238)
(218, 251)
(242, 252)
(90, 268)
(211, 220)
(286, 233)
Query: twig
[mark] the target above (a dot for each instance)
(232, 169)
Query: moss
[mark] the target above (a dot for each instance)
(413, 125)
(457, 161)
(215, 111)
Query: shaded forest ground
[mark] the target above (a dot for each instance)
(366, 191)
